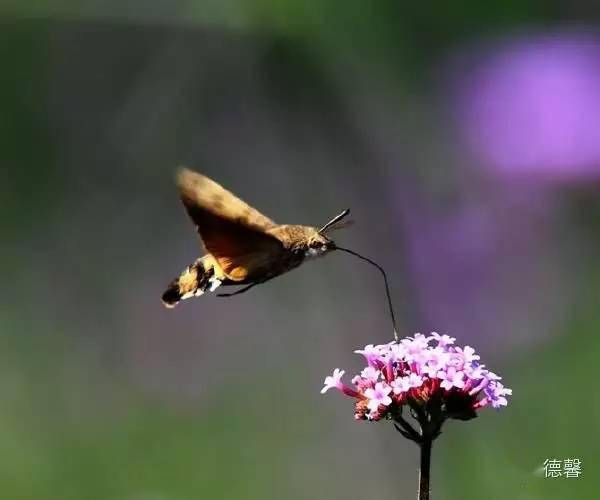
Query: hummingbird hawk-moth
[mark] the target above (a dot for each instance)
(243, 247)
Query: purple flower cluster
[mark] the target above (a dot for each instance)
(428, 373)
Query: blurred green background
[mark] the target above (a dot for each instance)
(464, 138)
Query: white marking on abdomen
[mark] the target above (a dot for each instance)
(214, 283)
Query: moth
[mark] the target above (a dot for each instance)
(243, 247)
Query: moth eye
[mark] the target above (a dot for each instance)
(323, 248)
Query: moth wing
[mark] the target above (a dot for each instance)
(232, 231)
(246, 268)
(203, 192)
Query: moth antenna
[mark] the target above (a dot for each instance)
(337, 218)
(340, 225)
(385, 280)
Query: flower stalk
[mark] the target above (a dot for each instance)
(425, 467)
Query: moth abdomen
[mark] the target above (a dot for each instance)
(192, 282)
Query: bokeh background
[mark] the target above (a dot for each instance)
(466, 140)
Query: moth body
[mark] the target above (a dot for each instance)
(243, 246)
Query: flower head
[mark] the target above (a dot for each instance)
(427, 373)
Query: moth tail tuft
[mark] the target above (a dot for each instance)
(172, 296)
(192, 282)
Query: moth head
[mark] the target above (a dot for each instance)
(319, 243)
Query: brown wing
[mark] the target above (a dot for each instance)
(232, 231)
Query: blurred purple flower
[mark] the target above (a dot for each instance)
(478, 264)
(400, 374)
(531, 106)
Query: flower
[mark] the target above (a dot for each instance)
(468, 354)
(414, 348)
(429, 374)
(404, 384)
(495, 393)
(451, 378)
(333, 381)
(378, 396)
(442, 340)
(370, 373)
(437, 359)
(370, 352)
